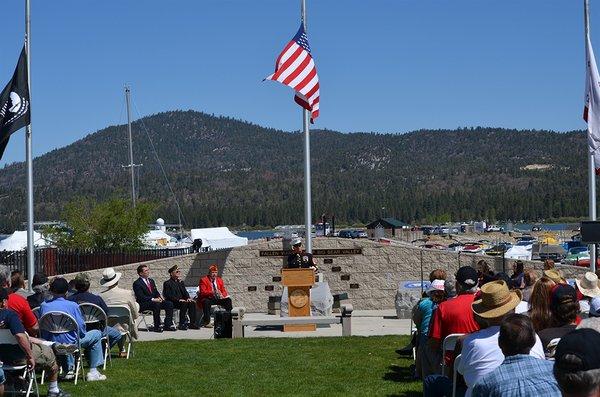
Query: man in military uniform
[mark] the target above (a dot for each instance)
(298, 258)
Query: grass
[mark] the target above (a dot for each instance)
(349, 366)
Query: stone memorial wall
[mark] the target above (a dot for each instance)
(370, 272)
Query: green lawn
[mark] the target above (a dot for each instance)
(350, 366)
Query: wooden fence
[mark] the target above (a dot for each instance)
(53, 261)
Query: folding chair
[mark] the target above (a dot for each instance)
(57, 323)
(116, 314)
(551, 349)
(8, 339)
(95, 316)
(448, 344)
(457, 361)
(142, 319)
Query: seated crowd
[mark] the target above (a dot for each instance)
(516, 335)
(52, 352)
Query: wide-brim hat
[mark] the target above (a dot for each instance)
(495, 300)
(554, 275)
(296, 241)
(588, 284)
(110, 277)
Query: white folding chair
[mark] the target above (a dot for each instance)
(142, 319)
(457, 361)
(57, 323)
(448, 344)
(94, 316)
(7, 344)
(116, 314)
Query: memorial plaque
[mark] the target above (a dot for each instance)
(353, 286)
(328, 261)
(269, 288)
(336, 269)
(345, 277)
(276, 279)
(252, 288)
(319, 252)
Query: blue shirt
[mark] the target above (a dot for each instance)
(426, 307)
(60, 304)
(10, 320)
(519, 376)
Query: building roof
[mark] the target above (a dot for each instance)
(387, 222)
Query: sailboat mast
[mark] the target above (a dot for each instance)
(131, 165)
(29, 159)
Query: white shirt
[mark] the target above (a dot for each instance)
(481, 355)
(522, 307)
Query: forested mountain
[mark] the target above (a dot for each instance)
(230, 172)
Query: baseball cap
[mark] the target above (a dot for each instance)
(562, 293)
(82, 277)
(467, 277)
(436, 285)
(582, 343)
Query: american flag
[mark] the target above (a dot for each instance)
(591, 110)
(296, 68)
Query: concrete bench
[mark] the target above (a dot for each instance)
(239, 322)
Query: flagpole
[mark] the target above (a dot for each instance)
(128, 100)
(307, 193)
(29, 158)
(591, 165)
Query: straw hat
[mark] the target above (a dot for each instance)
(554, 275)
(588, 284)
(110, 277)
(496, 300)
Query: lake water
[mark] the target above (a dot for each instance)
(555, 227)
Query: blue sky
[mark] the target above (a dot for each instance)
(384, 65)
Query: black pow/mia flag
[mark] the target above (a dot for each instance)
(15, 112)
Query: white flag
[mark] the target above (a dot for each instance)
(591, 111)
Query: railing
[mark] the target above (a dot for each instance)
(53, 261)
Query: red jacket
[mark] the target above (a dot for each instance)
(206, 289)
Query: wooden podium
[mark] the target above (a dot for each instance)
(298, 282)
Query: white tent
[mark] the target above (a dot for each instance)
(519, 252)
(18, 241)
(218, 238)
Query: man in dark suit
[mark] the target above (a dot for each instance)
(148, 297)
(174, 291)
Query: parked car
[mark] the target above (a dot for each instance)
(494, 228)
(346, 234)
(361, 234)
(427, 230)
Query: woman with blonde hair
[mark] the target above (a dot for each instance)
(539, 304)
